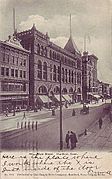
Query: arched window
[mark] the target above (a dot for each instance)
(57, 90)
(75, 78)
(78, 64)
(63, 75)
(79, 78)
(58, 73)
(64, 90)
(69, 76)
(42, 50)
(66, 80)
(54, 73)
(38, 49)
(62, 59)
(71, 90)
(50, 72)
(78, 90)
(58, 56)
(45, 52)
(53, 55)
(42, 90)
(72, 76)
(45, 71)
(50, 54)
(39, 69)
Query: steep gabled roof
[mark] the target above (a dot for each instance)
(15, 43)
(71, 46)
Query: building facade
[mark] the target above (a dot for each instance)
(89, 75)
(14, 75)
(45, 59)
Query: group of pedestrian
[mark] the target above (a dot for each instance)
(71, 140)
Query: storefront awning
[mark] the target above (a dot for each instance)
(58, 97)
(13, 98)
(67, 97)
(96, 96)
(45, 98)
(90, 94)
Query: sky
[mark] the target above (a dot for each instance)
(90, 17)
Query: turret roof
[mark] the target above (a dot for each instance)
(71, 46)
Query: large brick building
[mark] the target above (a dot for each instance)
(89, 76)
(44, 69)
(14, 75)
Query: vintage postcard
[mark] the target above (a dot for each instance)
(56, 89)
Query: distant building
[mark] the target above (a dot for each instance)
(106, 89)
(100, 88)
(14, 75)
(89, 75)
(44, 69)
(110, 91)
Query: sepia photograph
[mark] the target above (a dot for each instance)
(56, 88)
(55, 77)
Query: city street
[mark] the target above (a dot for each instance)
(42, 116)
(46, 136)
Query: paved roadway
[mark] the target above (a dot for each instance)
(10, 123)
(46, 137)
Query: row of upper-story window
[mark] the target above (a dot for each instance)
(67, 76)
(43, 51)
(14, 52)
(13, 60)
(13, 72)
(13, 87)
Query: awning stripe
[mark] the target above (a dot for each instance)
(44, 98)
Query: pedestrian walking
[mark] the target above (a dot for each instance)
(100, 123)
(29, 125)
(36, 125)
(53, 112)
(73, 112)
(21, 125)
(32, 125)
(24, 115)
(14, 112)
(6, 114)
(73, 140)
(67, 139)
(25, 124)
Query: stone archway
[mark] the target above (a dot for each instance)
(57, 89)
(71, 90)
(64, 91)
(42, 90)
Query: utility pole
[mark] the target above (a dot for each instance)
(70, 26)
(85, 43)
(61, 131)
(14, 23)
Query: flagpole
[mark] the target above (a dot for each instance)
(85, 43)
(14, 21)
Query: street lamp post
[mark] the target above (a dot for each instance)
(85, 60)
(61, 131)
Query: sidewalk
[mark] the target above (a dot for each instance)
(97, 139)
